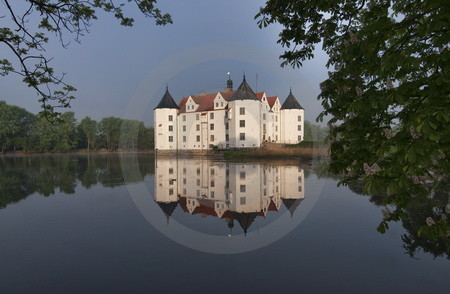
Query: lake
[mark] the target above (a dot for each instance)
(140, 224)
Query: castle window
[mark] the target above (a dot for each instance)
(264, 116)
(299, 118)
(212, 127)
(242, 200)
(276, 138)
(264, 128)
(299, 127)
(242, 110)
(170, 191)
(170, 117)
(226, 126)
(170, 128)
(198, 182)
(170, 139)
(300, 179)
(299, 138)
(212, 171)
(197, 127)
(242, 123)
(170, 171)
(184, 191)
(217, 104)
(276, 118)
(184, 170)
(184, 128)
(213, 183)
(242, 175)
(212, 194)
(171, 182)
(197, 116)
(211, 115)
(242, 188)
(198, 138)
(276, 128)
(212, 137)
(221, 104)
(184, 181)
(198, 193)
(227, 137)
(299, 188)
(184, 117)
(242, 136)
(184, 138)
(198, 170)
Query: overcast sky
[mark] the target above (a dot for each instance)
(121, 71)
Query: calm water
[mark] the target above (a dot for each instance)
(115, 224)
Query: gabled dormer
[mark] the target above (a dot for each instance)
(220, 102)
(191, 106)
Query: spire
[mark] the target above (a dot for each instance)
(291, 102)
(167, 100)
(229, 82)
(245, 219)
(244, 92)
(291, 204)
(168, 208)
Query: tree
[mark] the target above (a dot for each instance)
(110, 128)
(25, 36)
(388, 95)
(89, 128)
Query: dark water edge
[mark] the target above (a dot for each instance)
(71, 224)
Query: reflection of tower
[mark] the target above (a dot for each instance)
(166, 187)
(292, 187)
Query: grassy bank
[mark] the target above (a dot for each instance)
(293, 152)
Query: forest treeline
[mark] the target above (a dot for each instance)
(21, 130)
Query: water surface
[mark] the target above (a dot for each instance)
(130, 223)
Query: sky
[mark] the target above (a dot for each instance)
(123, 71)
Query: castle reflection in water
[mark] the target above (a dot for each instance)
(230, 191)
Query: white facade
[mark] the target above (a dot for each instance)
(229, 119)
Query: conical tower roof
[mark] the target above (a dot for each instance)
(245, 219)
(168, 208)
(167, 101)
(292, 204)
(244, 92)
(291, 102)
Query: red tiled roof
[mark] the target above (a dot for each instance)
(227, 95)
(182, 104)
(270, 100)
(206, 102)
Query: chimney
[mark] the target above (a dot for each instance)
(202, 93)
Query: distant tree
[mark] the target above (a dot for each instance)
(89, 128)
(314, 132)
(15, 126)
(110, 129)
(25, 37)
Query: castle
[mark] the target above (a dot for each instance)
(227, 119)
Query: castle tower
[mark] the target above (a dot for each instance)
(165, 117)
(292, 118)
(244, 118)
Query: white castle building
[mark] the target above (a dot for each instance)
(228, 119)
(226, 190)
